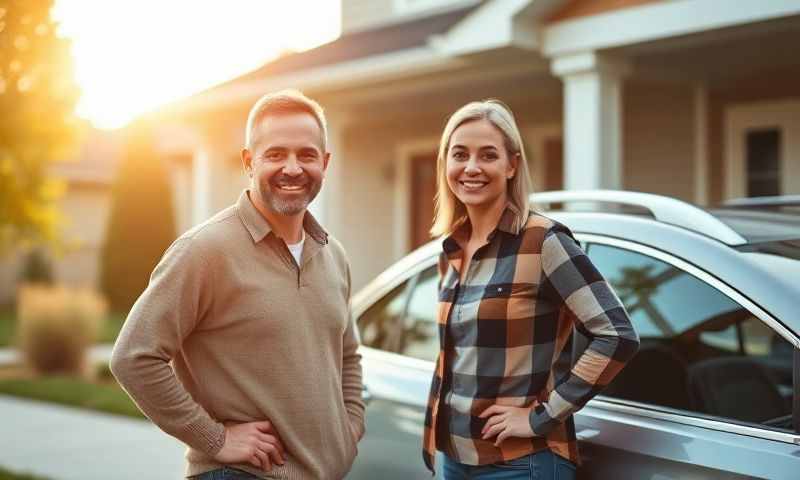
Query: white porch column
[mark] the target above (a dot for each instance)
(327, 207)
(201, 186)
(592, 120)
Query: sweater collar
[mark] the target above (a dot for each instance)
(259, 228)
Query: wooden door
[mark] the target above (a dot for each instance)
(423, 191)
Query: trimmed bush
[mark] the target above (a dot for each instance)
(37, 268)
(141, 224)
(56, 327)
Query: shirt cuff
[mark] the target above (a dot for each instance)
(207, 436)
(541, 422)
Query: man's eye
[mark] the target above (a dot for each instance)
(273, 155)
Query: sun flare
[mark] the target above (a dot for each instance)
(132, 56)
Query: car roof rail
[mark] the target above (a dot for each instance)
(755, 202)
(664, 209)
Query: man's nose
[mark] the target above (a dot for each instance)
(292, 167)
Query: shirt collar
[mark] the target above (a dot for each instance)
(259, 228)
(508, 223)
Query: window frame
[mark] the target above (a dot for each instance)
(687, 417)
(382, 286)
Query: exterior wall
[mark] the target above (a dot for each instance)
(765, 86)
(658, 139)
(583, 8)
(86, 208)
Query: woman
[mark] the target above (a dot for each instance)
(513, 285)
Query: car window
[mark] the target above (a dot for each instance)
(380, 326)
(700, 350)
(420, 333)
(404, 320)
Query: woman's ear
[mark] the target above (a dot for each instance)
(513, 164)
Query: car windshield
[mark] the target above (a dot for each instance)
(762, 224)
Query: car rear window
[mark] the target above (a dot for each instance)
(762, 225)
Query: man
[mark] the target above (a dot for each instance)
(242, 344)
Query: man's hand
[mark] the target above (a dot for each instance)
(506, 421)
(256, 443)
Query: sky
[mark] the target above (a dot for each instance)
(133, 55)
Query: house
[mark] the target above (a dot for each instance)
(84, 206)
(696, 99)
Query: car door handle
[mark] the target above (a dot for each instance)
(366, 396)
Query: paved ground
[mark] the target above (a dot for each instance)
(65, 443)
(71, 444)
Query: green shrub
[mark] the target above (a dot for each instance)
(141, 224)
(37, 268)
(56, 327)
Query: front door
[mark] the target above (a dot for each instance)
(423, 191)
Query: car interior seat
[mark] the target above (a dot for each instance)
(735, 387)
(656, 375)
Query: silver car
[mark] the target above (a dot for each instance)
(714, 296)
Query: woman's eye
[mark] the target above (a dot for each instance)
(459, 156)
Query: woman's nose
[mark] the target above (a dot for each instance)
(472, 167)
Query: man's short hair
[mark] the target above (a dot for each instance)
(283, 102)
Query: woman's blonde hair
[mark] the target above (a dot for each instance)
(450, 212)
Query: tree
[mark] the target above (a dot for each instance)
(141, 223)
(37, 100)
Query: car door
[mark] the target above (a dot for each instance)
(707, 396)
(399, 345)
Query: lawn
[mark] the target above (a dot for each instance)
(8, 475)
(103, 395)
(109, 333)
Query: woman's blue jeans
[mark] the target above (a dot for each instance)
(544, 465)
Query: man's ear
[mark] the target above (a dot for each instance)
(247, 162)
(325, 159)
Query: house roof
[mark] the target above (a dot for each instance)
(96, 161)
(356, 45)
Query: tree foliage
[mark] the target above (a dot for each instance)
(37, 100)
(141, 225)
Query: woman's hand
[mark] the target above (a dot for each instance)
(506, 421)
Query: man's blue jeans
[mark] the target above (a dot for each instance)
(544, 465)
(224, 473)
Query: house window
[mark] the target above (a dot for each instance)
(763, 162)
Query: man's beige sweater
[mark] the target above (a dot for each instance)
(230, 329)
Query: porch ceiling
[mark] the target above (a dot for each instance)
(721, 57)
(503, 74)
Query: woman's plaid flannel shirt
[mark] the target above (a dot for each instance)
(502, 332)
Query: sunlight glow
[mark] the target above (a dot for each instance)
(134, 55)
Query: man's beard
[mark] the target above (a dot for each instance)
(294, 204)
